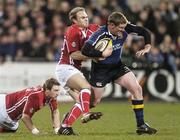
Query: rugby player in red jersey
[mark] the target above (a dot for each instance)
(68, 69)
(24, 103)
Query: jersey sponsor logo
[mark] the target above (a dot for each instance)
(117, 46)
(31, 110)
(73, 44)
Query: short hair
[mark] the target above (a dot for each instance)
(49, 83)
(117, 18)
(74, 11)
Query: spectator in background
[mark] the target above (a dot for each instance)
(7, 47)
(51, 16)
(168, 49)
(39, 47)
(64, 8)
(23, 46)
(178, 52)
(155, 57)
(23, 104)
(53, 52)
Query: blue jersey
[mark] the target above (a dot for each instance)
(118, 43)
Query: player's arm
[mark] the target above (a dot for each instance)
(77, 55)
(89, 46)
(53, 104)
(141, 31)
(29, 109)
(90, 51)
(29, 124)
(55, 120)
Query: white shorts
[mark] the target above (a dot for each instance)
(5, 121)
(64, 72)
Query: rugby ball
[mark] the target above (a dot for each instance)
(103, 43)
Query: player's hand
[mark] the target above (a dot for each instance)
(35, 131)
(56, 130)
(143, 51)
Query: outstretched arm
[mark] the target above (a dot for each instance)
(141, 31)
(146, 49)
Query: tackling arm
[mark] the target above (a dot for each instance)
(77, 55)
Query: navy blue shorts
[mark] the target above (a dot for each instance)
(101, 74)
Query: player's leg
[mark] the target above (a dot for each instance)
(6, 127)
(74, 94)
(84, 97)
(98, 93)
(6, 124)
(75, 80)
(78, 82)
(63, 74)
(130, 82)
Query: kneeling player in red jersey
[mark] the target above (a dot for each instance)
(23, 104)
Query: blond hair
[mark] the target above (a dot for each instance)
(74, 11)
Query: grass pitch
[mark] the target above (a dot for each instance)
(117, 123)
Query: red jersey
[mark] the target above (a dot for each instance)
(27, 101)
(73, 41)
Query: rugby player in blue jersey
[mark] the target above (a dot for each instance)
(111, 69)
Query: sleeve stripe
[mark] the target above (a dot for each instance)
(138, 106)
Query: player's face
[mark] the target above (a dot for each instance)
(54, 92)
(82, 19)
(117, 30)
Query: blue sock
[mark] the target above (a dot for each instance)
(138, 108)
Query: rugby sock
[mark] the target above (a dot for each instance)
(73, 115)
(138, 108)
(84, 99)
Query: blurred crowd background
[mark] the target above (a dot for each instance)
(32, 30)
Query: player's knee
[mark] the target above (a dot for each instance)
(139, 89)
(138, 92)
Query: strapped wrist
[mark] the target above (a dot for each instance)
(35, 131)
(56, 130)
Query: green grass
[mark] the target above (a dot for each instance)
(117, 123)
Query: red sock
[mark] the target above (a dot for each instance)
(85, 100)
(73, 115)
